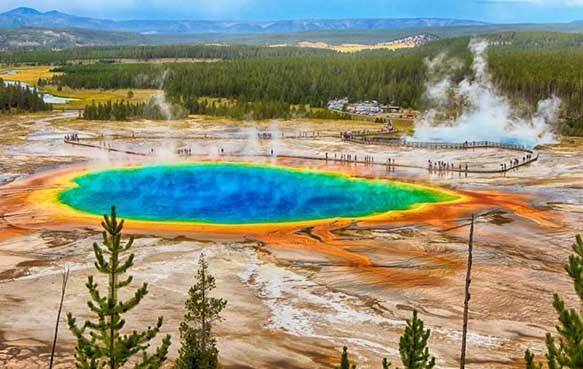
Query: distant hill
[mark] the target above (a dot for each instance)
(38, 38)
(32, 18)
(26, 28)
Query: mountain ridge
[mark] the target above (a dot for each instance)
(25, 17)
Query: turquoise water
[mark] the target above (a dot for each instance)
(238, 194)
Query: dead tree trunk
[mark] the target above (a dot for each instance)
(63, 289)
(467, 295)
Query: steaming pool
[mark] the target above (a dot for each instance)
(222, 193)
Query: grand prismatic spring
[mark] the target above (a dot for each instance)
(312, 254)
(240, 194)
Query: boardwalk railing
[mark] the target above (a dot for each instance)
(394, 141)
(465, 145)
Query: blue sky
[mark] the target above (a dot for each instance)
(498, 11)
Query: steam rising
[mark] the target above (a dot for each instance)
(165, 109)
(487, 115)
(440, 83)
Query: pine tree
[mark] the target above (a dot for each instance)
(345, 361)
(198, 346)
(101, 344)
(566, 350)
(413, 345)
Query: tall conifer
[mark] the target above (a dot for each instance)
(566, 349)
(198, 345)
(413, 346)
(101, 343)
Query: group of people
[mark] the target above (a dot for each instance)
(264, 135)
(346, 135)
(351, 136)
(185, 151)
(515, 162)
(364, 135)
(354, 158)
(364, 132)
(446, 166)
(344, 157)
(72, 137)
(368, 159)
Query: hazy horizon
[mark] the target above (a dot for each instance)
(491, 11)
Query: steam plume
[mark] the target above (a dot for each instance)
(487, 115)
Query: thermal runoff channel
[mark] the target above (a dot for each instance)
(239, 194)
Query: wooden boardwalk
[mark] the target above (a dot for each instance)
(393, 141)
(323, 157)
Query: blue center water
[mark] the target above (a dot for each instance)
(238, 194)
